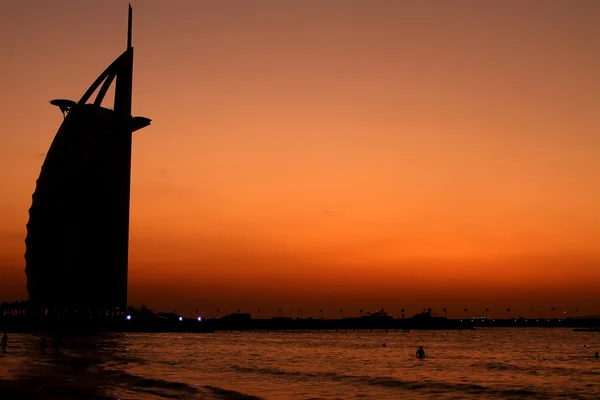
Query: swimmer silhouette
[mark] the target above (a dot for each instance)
(596, 355)
(420, 352)
(384, 345)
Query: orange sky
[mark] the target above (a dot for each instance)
(330, 154)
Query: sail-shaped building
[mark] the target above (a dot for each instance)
(78, 231)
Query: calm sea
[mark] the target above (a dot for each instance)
(481, 364)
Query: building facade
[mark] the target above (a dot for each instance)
(78, 230)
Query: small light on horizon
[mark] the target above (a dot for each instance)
(199, 319)
(181, 318)
(128, 317)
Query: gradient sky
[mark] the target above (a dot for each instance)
(335, 154)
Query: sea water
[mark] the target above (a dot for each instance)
(478, 364)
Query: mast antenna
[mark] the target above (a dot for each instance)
(129, 29)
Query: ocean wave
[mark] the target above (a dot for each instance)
(427, 386)
(446, 387)
(230, 394)
(174, 389)
(158, 383)
(492, 366)
(534, 370)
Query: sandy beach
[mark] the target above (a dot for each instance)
(25, 390)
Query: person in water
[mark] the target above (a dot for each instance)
(596, 355)
(420, 352)
(4, 342)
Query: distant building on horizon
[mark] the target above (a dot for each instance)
(78, 231)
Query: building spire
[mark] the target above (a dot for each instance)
(129, 29)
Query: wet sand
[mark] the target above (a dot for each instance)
(31, 390)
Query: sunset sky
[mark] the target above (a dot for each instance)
(335, 154)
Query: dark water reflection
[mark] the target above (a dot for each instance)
(482, 364)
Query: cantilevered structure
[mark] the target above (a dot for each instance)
(78, 230)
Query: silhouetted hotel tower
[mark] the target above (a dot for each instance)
(78, 230)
